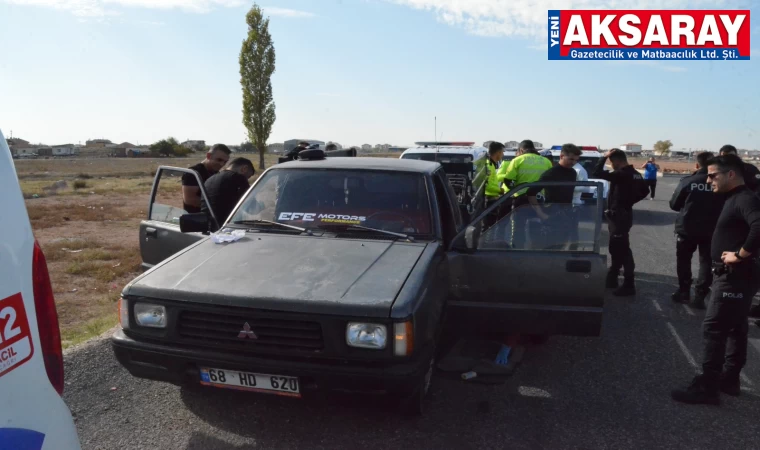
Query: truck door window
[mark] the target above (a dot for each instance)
(564, 227)
(167, 206)
(445, 206)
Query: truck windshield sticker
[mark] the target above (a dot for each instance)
(16, 346)
(322, 217)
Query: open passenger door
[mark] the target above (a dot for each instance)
(537, 270)
(161, 233)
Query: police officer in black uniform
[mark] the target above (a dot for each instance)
(622, 196)
(698, 209)
(734, 248)
(751, 172)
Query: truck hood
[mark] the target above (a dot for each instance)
(305, 274)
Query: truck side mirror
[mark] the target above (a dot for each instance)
(194, 223)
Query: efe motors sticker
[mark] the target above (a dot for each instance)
(16, 346)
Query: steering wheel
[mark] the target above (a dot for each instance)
(405, 219)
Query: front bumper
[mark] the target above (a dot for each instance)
(181, 366)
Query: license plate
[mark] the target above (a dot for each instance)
(246, 381)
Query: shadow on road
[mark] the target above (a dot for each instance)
(654, 218)
(200, 441)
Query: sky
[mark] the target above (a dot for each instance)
(356, 72)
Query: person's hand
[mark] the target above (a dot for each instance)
(607, 155)
(542, 215)
(729, 258)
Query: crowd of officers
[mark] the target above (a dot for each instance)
(718, 215)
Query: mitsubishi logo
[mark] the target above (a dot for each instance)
(246, 332)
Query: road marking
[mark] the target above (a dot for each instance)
(656, 305)
(684, 349)
(688, 310)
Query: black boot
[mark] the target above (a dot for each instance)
(681, 296)
(730, 384)
(612, 280)
(699, 298)
(626, 290)
(700, 391)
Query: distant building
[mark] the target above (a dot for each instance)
(44, 151)
(631, 148)
(293, 143)
(366, 147)
(97, 143)
(137, 152)
(276, 148)
(16, 142)
(197, 145)
(25, 152)
(65, 150)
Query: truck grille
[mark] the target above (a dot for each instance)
(223, 330)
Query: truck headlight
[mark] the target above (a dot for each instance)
(152, 316)
(366, 335)
(124, 313)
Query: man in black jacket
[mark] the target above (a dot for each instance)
(751, 172)
(734, 250)
(626, 184)
(698, 209)
(225, 189)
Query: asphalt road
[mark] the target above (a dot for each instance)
(607, 392)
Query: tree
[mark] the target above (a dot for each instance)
(247, 147)
(256, 69)
(663, 147)
(168, 147)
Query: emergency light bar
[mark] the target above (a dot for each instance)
(444, 144)
(582, 147)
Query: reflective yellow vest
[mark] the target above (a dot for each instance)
(524, 169)
(493, 182)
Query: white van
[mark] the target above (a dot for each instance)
(32, 412)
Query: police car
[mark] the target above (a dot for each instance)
(465, 166)
(32, 412)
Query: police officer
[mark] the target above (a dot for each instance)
(526, 168)
(698, 209)
(493, 184)
(751, 172)
(624, 192)
(734, 249)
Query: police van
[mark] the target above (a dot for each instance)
(32, 412)
(466, 168)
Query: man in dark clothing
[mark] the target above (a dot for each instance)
(303, 145)
(625, 182)
(698, 210)
(225, 189)
(734, 249)
(751, 172)
(216, 158)
(557, 212)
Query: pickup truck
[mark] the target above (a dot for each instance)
(343, 274)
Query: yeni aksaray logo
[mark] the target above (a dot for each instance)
(649, 34)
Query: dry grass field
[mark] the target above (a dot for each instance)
(89, 229)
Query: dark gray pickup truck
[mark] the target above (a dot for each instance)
(345, 275)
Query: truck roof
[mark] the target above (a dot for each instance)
(363, 163)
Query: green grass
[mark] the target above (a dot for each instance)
(89, 330)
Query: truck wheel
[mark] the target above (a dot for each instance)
(415, 403)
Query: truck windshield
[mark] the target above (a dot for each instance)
(332, 198)
(439, 157)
